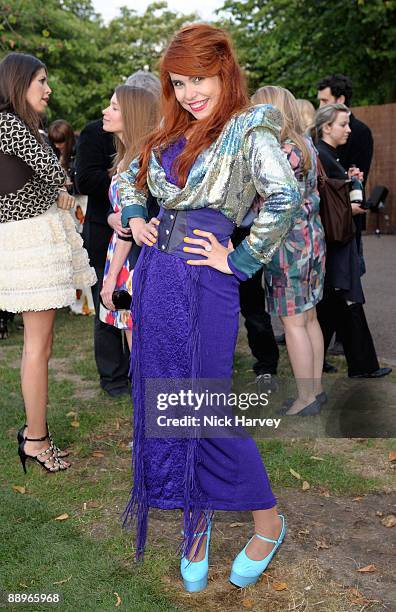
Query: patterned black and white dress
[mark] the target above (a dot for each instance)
(42, 258)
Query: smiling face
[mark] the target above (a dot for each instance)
(39, 91)
(198, 95)
(337, 133)
(112, 118)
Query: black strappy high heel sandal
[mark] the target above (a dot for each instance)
(51, 462)
(56, 449)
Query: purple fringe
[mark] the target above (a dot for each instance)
(137, 508)
(197, 514)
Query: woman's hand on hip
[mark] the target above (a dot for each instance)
(144, 233)
(209, 247)
(65, 200)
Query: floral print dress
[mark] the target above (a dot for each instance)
(295, 276)
(119, 318)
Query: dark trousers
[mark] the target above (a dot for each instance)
(260, 334)
(350, 325)
(6, 316)
(111, 354)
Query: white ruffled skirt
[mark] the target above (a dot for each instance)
(42, 262)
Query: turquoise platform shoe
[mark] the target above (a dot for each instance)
(195, 573)
(246, 571)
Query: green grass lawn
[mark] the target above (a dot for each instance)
(88, 558)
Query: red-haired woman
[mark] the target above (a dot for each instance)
(205, 163)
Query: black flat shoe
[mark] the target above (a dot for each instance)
(118, 391)
(310, 410)
(376, 374)
(328, 368)
(321, 398)
(314, 408)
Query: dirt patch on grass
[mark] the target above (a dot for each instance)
(369, 461)
(60, 370)
(330, 537)
(328, 540)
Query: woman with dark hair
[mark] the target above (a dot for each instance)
(341, 309)
(205, 163)
(45, 261)
(62, 138)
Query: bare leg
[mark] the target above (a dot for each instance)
(301, 354)
(198, 541)
(38, 334)
(268, 524)
(316, 337)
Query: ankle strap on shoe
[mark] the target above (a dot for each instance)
(37, 439)
(282, 518)
(266, 539)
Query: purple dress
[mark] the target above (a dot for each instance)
(185, 327)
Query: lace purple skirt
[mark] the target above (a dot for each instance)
(186, 326)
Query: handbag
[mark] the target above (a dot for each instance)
(122, 300)
(335, 208)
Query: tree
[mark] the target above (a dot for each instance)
(293, 43)
(85, 58)
(66, 36)
(135, 41)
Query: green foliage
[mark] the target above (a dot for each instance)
(135, 41)
(88, 557)
(294, 43)
(287, 42)
(85, 58)
(66, 36)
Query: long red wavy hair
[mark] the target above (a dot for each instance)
(196, 50)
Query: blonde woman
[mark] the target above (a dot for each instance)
(295, 276)
(307, 112)
(341, 309)
(133, 112)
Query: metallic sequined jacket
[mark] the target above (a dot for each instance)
(246, 159)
